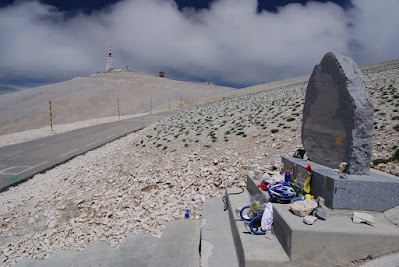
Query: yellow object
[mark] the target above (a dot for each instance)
(342, 166)
(309, 196)
(338, 140)
(306, 185)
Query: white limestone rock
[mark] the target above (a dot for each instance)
(360, 217)
(310, 220)
(303, 208)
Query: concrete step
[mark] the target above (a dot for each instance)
(252, 250)
(333, 242)
(59, 258)
(97, 253)
(28, 263)
(217, 244)
(136, 250)
(179, 245)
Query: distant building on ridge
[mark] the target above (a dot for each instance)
(109, 67)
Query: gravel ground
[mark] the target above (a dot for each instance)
(140, 182)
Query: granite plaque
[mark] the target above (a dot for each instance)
(338, 116)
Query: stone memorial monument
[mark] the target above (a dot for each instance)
(337, 127)
(338, 116)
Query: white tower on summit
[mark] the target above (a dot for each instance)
(109, 67)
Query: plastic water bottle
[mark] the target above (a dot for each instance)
(287, 176)
(187, 214)
(298, 199)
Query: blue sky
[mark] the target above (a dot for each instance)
(230, 42)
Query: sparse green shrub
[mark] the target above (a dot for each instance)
(395, 156)
(274, 130)
(290, 119)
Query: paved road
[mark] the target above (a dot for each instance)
(22, 161)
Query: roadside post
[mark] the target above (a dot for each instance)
(51, 116)
(119, 114)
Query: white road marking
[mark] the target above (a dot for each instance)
(103, 131)
(14, 167)
(27, 168)
(93, 143)
(110, 136)
(36, 166)
(69, 152)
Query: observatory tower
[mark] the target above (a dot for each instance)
(108, 67)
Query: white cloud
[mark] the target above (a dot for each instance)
(230, 42)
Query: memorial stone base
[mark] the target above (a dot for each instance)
(377, 191)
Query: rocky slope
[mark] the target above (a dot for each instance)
(138, 183)
(96, 96)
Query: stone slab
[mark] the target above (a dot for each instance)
(28, 263)
(391, 260)
(97, 253)
(136, 250)
(333, 242)
(179, 245)
(61, 258)
(393, 215)
(217, 231)
(377, 191)
(338, 115)
(253, 250)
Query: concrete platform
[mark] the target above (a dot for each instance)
(335, 241)
(136, 250)
(179, 245)
(377, 192)
(217, 244)
(252, 250)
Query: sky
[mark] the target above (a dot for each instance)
(228, 42)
